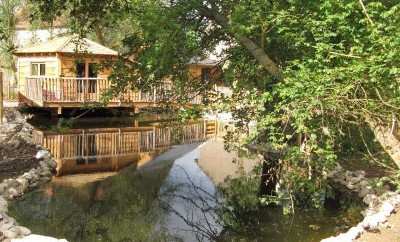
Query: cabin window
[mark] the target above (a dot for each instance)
(205, 74)
(38, 69)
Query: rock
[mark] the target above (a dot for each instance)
(359, 173)
(38, 238)
(395, 200)
(356, 179)
(345, 237)
(45, 172)
(372, 222)
(52, 164)
(387, 209)
(6, 226)
(350, 186)
(355, 232)
(42, 154)
(33, 185)
(9, 220)
(3, 187)
(3, 205)
(330, 239)
(27, 176)
(369, 212)
(371, 200)
(21, 230)
(45, 179)
(363, 183)
(11, 183)
(12, 193)
(23, 183)
(43, 164)
(10, 234)
(364, 191)
(34, 175)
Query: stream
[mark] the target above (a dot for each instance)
(148, 180)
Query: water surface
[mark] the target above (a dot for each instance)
(153, 181)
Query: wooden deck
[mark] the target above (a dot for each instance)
(67, 92)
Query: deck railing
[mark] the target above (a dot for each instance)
(87, 90)
(10, 90)
(99, 143)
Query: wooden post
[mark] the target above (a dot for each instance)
(1, 98)
(154, 137)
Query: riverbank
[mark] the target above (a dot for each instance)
(23, 167)
(390, 231)
(381, 205)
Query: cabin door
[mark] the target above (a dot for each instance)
(92, 82)
(86, 74)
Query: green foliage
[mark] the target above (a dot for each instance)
(7, 32)
(186, 114)
(62, 125)
(339, 65)
(241, 201)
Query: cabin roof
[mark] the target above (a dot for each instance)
(203, 61)
(68, 44)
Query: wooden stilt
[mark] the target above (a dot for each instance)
(54, 112)
(135, 110)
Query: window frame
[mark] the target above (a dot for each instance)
(39, 65)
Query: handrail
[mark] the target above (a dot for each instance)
(51, 89)
(67, 78)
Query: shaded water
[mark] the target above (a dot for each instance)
(151, 181)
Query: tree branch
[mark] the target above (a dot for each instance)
(365, 12)
(258, 53)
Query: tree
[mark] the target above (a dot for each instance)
(311, 73)
(7, 33)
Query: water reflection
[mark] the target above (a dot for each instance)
(111, 149)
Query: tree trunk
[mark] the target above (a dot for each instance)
(386, 137)
(260, 55)
(269, 176)
(256, 51)
(99, 35)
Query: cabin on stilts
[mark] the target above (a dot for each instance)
(64, 73)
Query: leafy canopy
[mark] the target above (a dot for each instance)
(307, 72)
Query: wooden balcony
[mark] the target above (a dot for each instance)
(77, 92)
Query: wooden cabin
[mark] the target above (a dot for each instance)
(64, 73)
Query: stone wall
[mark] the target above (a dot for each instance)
(17, 134)
(13, 188)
